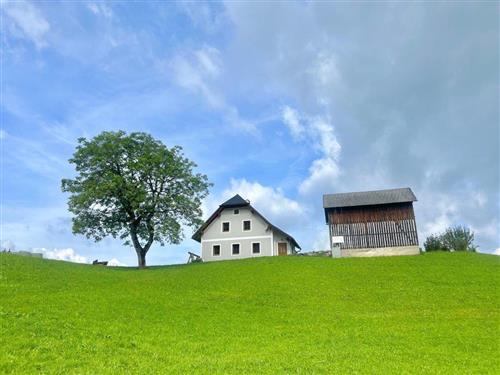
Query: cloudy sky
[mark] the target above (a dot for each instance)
(278, 102)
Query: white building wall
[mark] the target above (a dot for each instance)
(245, 248)
(214, 230)
(213, 235)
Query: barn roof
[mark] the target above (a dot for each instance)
(234, 202)
(368, 198)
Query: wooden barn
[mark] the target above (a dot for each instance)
(372, 223)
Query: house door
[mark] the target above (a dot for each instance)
(281, 248)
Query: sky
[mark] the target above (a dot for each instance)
(279, 102)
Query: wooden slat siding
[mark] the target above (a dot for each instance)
(374, 226)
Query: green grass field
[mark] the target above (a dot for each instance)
(434, 314)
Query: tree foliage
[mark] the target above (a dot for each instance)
(135, 188)
(457, 238)
(434, 243)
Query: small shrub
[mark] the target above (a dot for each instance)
(435, 243)
(459, 238)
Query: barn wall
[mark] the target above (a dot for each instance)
(368, 227)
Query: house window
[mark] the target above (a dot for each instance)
(225, 226)
(236, 212)
(236, 249)
(216, 250)
(247, 225)
(256, 248)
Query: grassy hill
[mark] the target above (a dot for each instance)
(435, 313)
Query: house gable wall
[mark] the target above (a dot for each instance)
(213, 235)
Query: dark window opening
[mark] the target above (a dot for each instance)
(246, 225)
(236, 212)
(216, 250)
(256, 248)
(225, 226)
(236, 248)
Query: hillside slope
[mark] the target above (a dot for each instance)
(435, 313)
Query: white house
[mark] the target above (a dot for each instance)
(236, 230)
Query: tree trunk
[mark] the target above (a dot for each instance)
(141, 250)
(141, 258)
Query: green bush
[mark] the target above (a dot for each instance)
(457, 238)
(434, 243)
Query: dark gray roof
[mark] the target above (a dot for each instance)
(236, 201)
(367, 198)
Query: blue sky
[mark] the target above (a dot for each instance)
(278, 102)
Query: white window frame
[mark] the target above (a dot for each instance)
(239, 249)
(243, 225)
(220, 249)
(260, 248)
(222, 227)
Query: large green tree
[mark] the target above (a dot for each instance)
(131, 186)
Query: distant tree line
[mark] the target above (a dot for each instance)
(458, 238)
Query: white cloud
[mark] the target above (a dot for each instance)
(439, 213)
(323, 172)
(100, 9)
(497, 251)
(197, 71)
(210, 60)
(327, 143)
(191, 75)
(437, 225)
(28, 21)
(68, 254)
(3, 134)
(291, 119)
(116, 263)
